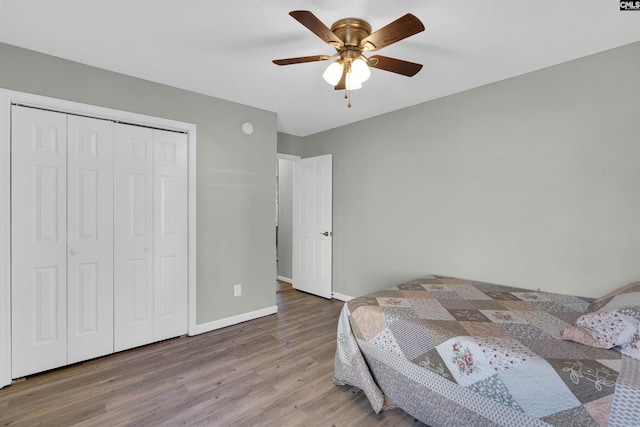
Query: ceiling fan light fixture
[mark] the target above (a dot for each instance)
(360, 71)
(333, 73)
(351, 82)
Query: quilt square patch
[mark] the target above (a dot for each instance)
(468, 315)
(445, 295)
(484, 329)
(412, 337)
(519, 305)
(531, 296)
(421, 302)
(460, 304)
(470, 293)
(437, 287)
(433, 310)
(489, 304)
(394, 313)
(543, 318)
(554, 307)
(600, 409)
(498, 295)
(385, 340)
(588, 379)
(393, 302)
(432, 361)
(537, 388)
(452, 280)
(417, 295)
(524, 331)
(503, 353)
(464, 359)
(503, 316)
(369, 320)
(493, 388)
(442, 330)
(426, 280)
(411, 287)
(492, 287)
(554, 348)
(361, 302)
(578, 416)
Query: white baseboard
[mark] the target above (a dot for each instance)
(233, 320)
(341, 297)
(285, 279)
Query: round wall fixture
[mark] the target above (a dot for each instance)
(247, 128)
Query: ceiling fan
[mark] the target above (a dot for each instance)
(351, 37)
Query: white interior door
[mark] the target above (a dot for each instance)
(39, 240)
(133, 236)
(89, 238)
(312, 225)
(170, 234)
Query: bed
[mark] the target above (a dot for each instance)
(455, 352)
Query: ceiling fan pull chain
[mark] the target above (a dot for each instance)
(347, 91)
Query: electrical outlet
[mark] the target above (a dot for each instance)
(237, 290)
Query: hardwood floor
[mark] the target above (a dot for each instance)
(275, 371)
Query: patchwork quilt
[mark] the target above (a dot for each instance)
(454, 352)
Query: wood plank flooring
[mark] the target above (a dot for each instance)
(272, 371)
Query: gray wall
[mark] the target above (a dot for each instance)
(290, 144)
(235, 172)
(285, 217)
(531, 182)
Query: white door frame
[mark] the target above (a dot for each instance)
(280, 156)
(8, 97)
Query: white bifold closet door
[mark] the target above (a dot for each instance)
(62, 239)
(98, 238)
(150, 225)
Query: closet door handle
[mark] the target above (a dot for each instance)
(73, 252)
(147, 247)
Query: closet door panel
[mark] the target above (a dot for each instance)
(38, 240)
(170, 234)
(90, 238)
(133, 236)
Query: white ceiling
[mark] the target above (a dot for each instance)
(224, 48)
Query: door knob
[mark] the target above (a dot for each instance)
(147, 247)
(73, 252)
(327, 233)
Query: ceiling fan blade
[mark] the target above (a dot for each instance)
(398, 66)
(342, 84)
(316, 26)
(399, 29)
(301, 59)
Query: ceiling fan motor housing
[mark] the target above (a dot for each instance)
(351, 31)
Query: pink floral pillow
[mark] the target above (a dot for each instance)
(611, 321)
(608, 329)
